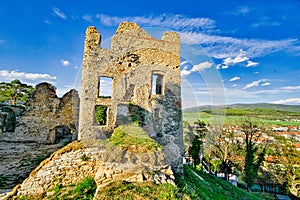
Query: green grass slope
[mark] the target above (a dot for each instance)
(210, 187)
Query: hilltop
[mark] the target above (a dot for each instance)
(281, 107)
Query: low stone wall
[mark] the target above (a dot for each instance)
(101, 160)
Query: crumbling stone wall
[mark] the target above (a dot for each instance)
(103, 162)
(145, 75)
(48, 117)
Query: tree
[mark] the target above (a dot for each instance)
(196, 149)
(15, 91)
(224, 147)
(254, 156)
(285, 165)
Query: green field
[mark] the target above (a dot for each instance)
(268, 116)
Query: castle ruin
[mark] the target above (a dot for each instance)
(136, 81)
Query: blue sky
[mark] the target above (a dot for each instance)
(244, 51)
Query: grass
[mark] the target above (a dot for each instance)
(84, 190)
(267, 116)
(210, 188)
(138, 191)
(134, 139)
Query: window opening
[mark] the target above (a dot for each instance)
(157, 84)
(101, 115)
(105, 87)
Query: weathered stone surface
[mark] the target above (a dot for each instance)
(78, 160)
(145, 76)
(47, 118)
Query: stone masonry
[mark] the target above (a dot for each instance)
(47, 118)
(145, 79)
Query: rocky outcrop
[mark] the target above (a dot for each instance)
(102, 161)
(47, 118)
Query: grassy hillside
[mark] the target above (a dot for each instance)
(291, 108)
(270, 114)
(210, 187)
(188, 188)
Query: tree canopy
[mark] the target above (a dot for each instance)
(15, 92)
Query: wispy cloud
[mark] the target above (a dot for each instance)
(222, 47)
(235, 78)
(87, 18)
(2, 41)
(201, 66)
(254, 84)
(199, 30)
(65, 63)
(171, 21)
(288, 101)
(251, 63)
(266, 84)
(57, 12)
(241, 57)
(30, 78)
(291, 87)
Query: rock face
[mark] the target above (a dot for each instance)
(42, 128)
(104, 162)
(48, 118)
(144, 78)
(17, 160)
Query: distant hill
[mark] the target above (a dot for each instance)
(281, 107)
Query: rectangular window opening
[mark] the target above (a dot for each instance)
(101, 113)
(105, 87)
(157, 84)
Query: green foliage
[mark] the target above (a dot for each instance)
(138, 191)
(254, 155)
(82, 190)
(133, 138)
(101, 114)
(15, 91)
(137, 114)
(194, 150)
(85, 189)
(84, 157)
(209, 188)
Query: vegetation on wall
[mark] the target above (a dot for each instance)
(136, 114)
(133, 138)
(101, 114)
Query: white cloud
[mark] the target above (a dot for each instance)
(225, 66)
(235, 79)
(65, 62)
(265, 84)
(201, 66)
(254, 84)
(291, 87)
(222, 47)
(288, 101)
(30, 78)
(251, 63)
(241, 57)
(185, 72)
(177, 22)
(87, 18)
(59, 13)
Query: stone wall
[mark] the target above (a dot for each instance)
(133, 62)
(47, 117)
(102, 161)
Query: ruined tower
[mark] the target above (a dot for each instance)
(136, 81)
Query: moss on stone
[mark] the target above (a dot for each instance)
(134, 139)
